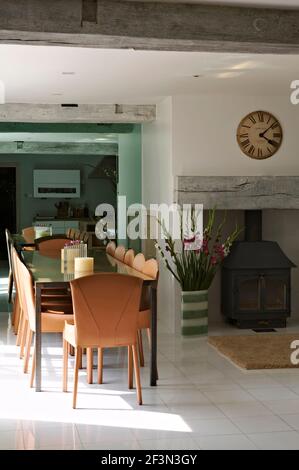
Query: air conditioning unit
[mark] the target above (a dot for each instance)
(56, 184)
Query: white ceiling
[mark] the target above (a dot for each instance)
(36, 74)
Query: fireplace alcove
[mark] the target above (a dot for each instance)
(256, 280)
(256, 288)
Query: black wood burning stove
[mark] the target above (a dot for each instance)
(256, 280)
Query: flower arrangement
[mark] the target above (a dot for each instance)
(195, 261)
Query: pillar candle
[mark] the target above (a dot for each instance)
(84, 265)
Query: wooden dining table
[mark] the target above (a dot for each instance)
(48, 271)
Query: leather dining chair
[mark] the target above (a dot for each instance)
(119, 253)
(104, 320)
(54, 243)
(110, 248)
(50, 322)
(139, 262)
(29, 234)
(9, 244)
(129, 257)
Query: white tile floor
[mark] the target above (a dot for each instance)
(202, 402)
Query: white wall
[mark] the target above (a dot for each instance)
(204, 143)
(204, 135)
(196, 135)
(157, 188)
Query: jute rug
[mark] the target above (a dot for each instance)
(260, 351)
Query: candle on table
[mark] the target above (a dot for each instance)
(84, 265)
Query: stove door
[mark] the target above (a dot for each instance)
(248, 294)
(275, 293)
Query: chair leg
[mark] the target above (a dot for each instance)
(10, 286)
(130, 367)
(23, 338)
(80, 359)
(65, 364)
(15, 314)
(76, 373)
(100, 365)
(89, 361)
(137, 374)
(27, 349)
(33, 368)
(20, 328)
(140, 348)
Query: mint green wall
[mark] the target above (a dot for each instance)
(93, 191)
(129, 151)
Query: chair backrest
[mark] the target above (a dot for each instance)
(70, 233)
(29, 234)
(129, 257)
(105, 309)
(110, 248)
(9, 244)
(151, 268)
(120, 252)
(56, 243)
(84, 236)
(24, 288)
(139, 262)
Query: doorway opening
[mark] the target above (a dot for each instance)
(8, 205)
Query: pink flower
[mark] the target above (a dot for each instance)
(213, 260)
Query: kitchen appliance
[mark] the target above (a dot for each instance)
(56, 184)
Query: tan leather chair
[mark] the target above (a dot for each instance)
(103, 319)
(50, 322)
(129, 257)
(70, 233)
(119, 253)
(9, 244)
(110, 248)
(139, 262)
(52, 243)
(29, 234)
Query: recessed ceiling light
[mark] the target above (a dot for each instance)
(198, 75)
(68, 73)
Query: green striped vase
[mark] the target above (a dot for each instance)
(194, 320)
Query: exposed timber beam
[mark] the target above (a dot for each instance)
(58, 148)
(82, 113)
(239, 192)
(149, 25)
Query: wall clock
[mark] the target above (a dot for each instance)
(259, 135)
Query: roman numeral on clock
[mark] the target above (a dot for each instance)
(251, 150)
(252, 119)
(277, 135)
(259, 152)
(245, 143)
(261, 116)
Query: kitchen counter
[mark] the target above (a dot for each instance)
(66, 219)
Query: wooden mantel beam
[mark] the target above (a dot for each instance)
(149, 25)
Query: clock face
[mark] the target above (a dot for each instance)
(259, 135)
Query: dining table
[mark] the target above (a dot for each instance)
(48, 271)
